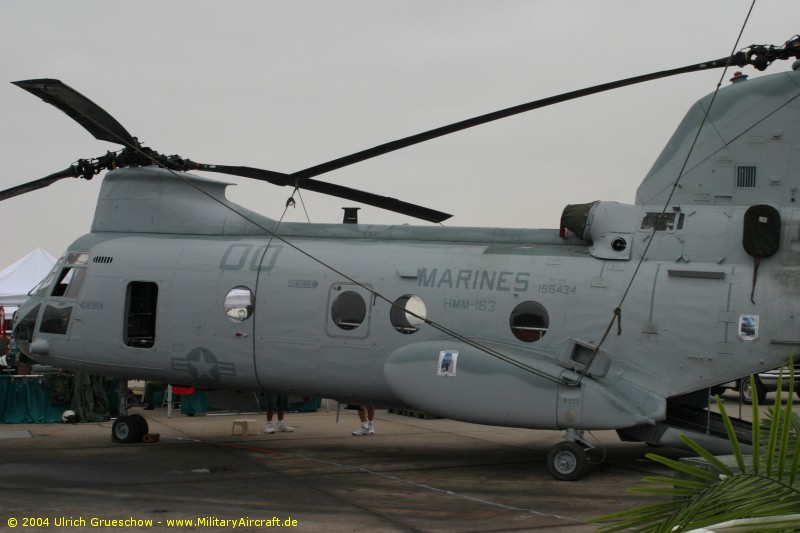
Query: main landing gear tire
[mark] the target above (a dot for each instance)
(567, 461)
(144, 428)
(748, 393)
(127, 429)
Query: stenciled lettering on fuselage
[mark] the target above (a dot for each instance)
(303, 283)
(479, 280)
(239, 256)
(467, 304)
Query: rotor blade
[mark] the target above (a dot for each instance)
(302, 176)
(91, 116)
(383, 202)
(37, 184)
(490, 117)
(276, 178)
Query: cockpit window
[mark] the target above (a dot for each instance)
(77, 258)
(55, 320)
(70, 279)
(24, 328)
(69, 282)
(44, 285)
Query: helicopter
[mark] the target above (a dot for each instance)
(620, 319)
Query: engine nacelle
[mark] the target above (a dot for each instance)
(609, 226)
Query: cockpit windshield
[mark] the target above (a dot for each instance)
(70, 278)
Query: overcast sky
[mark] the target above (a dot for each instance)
(285, 85)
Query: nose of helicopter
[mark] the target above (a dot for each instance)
(26, 324)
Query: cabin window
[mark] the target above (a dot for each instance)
(348, 310)
(140, 305)
(401, 314)
(529, 321)
(239, 304)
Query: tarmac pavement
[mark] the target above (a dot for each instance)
(412, 475)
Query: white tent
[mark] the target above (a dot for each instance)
(18, 279)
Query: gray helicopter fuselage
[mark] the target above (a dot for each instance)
(177, 284)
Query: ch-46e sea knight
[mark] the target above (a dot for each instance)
(514, 327)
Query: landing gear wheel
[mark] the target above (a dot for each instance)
(567, 461)
(748, 393)
(144, 429)
(126, 429)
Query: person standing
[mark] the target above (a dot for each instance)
(367, 415)
(279, 403)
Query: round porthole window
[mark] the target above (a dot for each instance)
(529, 321)
(348, 310)
(401, 314)
(239, 304)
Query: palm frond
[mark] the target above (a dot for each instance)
(737, 450)
(730, 498)
(676, 482)
(793, 479)
(756, 429)
(765, 494)
(773, 433)
(708, 456)
(736, 497)
(776, 524)
(683, 467)
(644, 518)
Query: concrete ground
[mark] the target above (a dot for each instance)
(411, 475)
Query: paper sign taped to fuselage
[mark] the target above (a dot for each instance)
(748, 327)
(447, 363)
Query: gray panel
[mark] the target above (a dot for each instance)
(702, 274)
